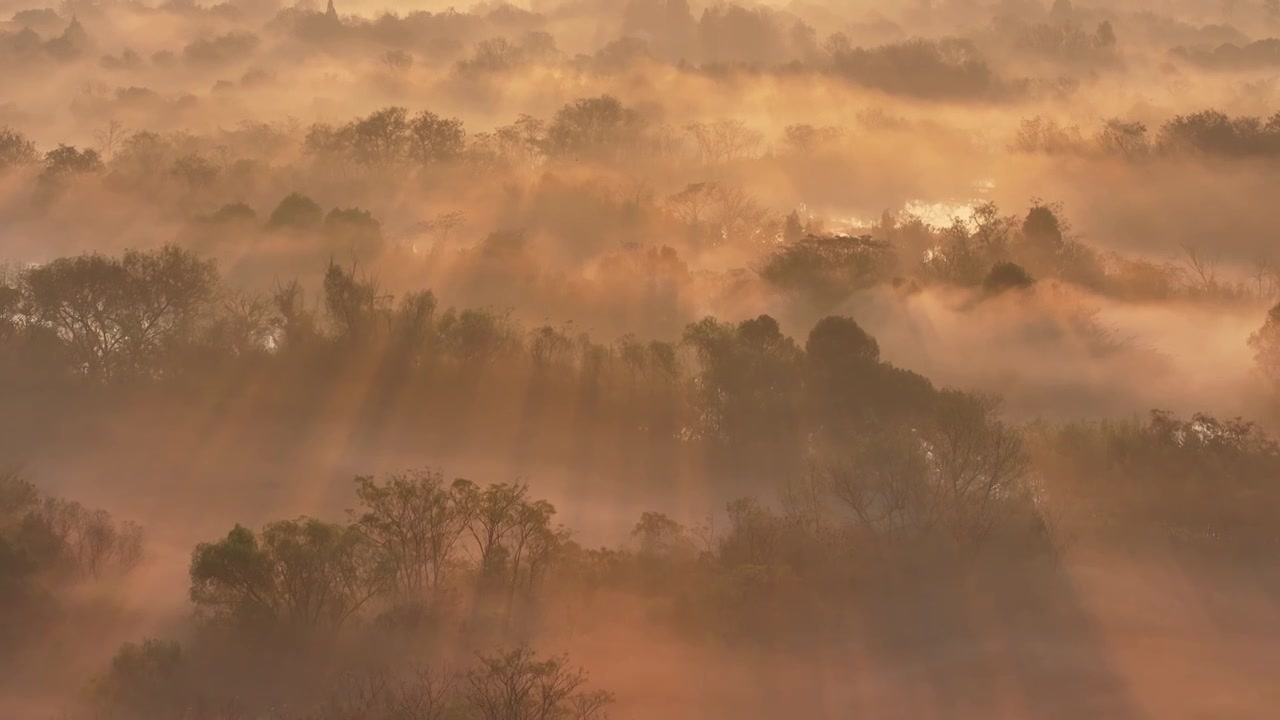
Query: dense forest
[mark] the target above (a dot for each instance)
(639, 359)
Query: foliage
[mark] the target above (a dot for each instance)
(300, 574)
(946, 68)
(16, 150)
(119, 316)
(1203, 481)
(600, 128)
(1006, 276)
(829, 267)
(515, 685)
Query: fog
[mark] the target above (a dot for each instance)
(639, 358)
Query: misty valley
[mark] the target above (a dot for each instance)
(681, 359)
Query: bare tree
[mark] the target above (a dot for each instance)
(724, 141)
(397, 61)
(515, 685)
(425, 694)
(1203, 271)
(109, 138)
(692, 202)
(440, 227)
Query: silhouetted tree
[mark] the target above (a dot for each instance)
(600, 127)
(16, 150)
(415, 520)
(302, 575)
(295, 211)
(516, 685)
(1006, 276)
(1265, 343)
(121, 316)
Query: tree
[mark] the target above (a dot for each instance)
(66, 161)
(748, 391)
(828, 267)
(660, 537)
(1265, 343)
(1118, 137)
(353, 305)
(433, 139)
(397, 61)
(739, 217)
(977, 465)
(724, 140)
(16, 151)
(531, 535)
(841, 363)
(1044, 248)
(848, 389)
(1105, 37)
(1216, 133)
(527, 136)
(1042, 228)
(195, 171)
(353, 224)
(690, 204)
(143, 154)
(109, 137)
(516, 685)
(885, 486)
(302, 575)
(495, 514)
(121, 316)
(805, 140)
(475, 337)
(792, 228)
(146, 680)
(380, 139)
(421, 694)
(295, 211)
(958, 477)
(1006, 276)
(600, 127)
(415, 521)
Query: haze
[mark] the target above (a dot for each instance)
(585, 359)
